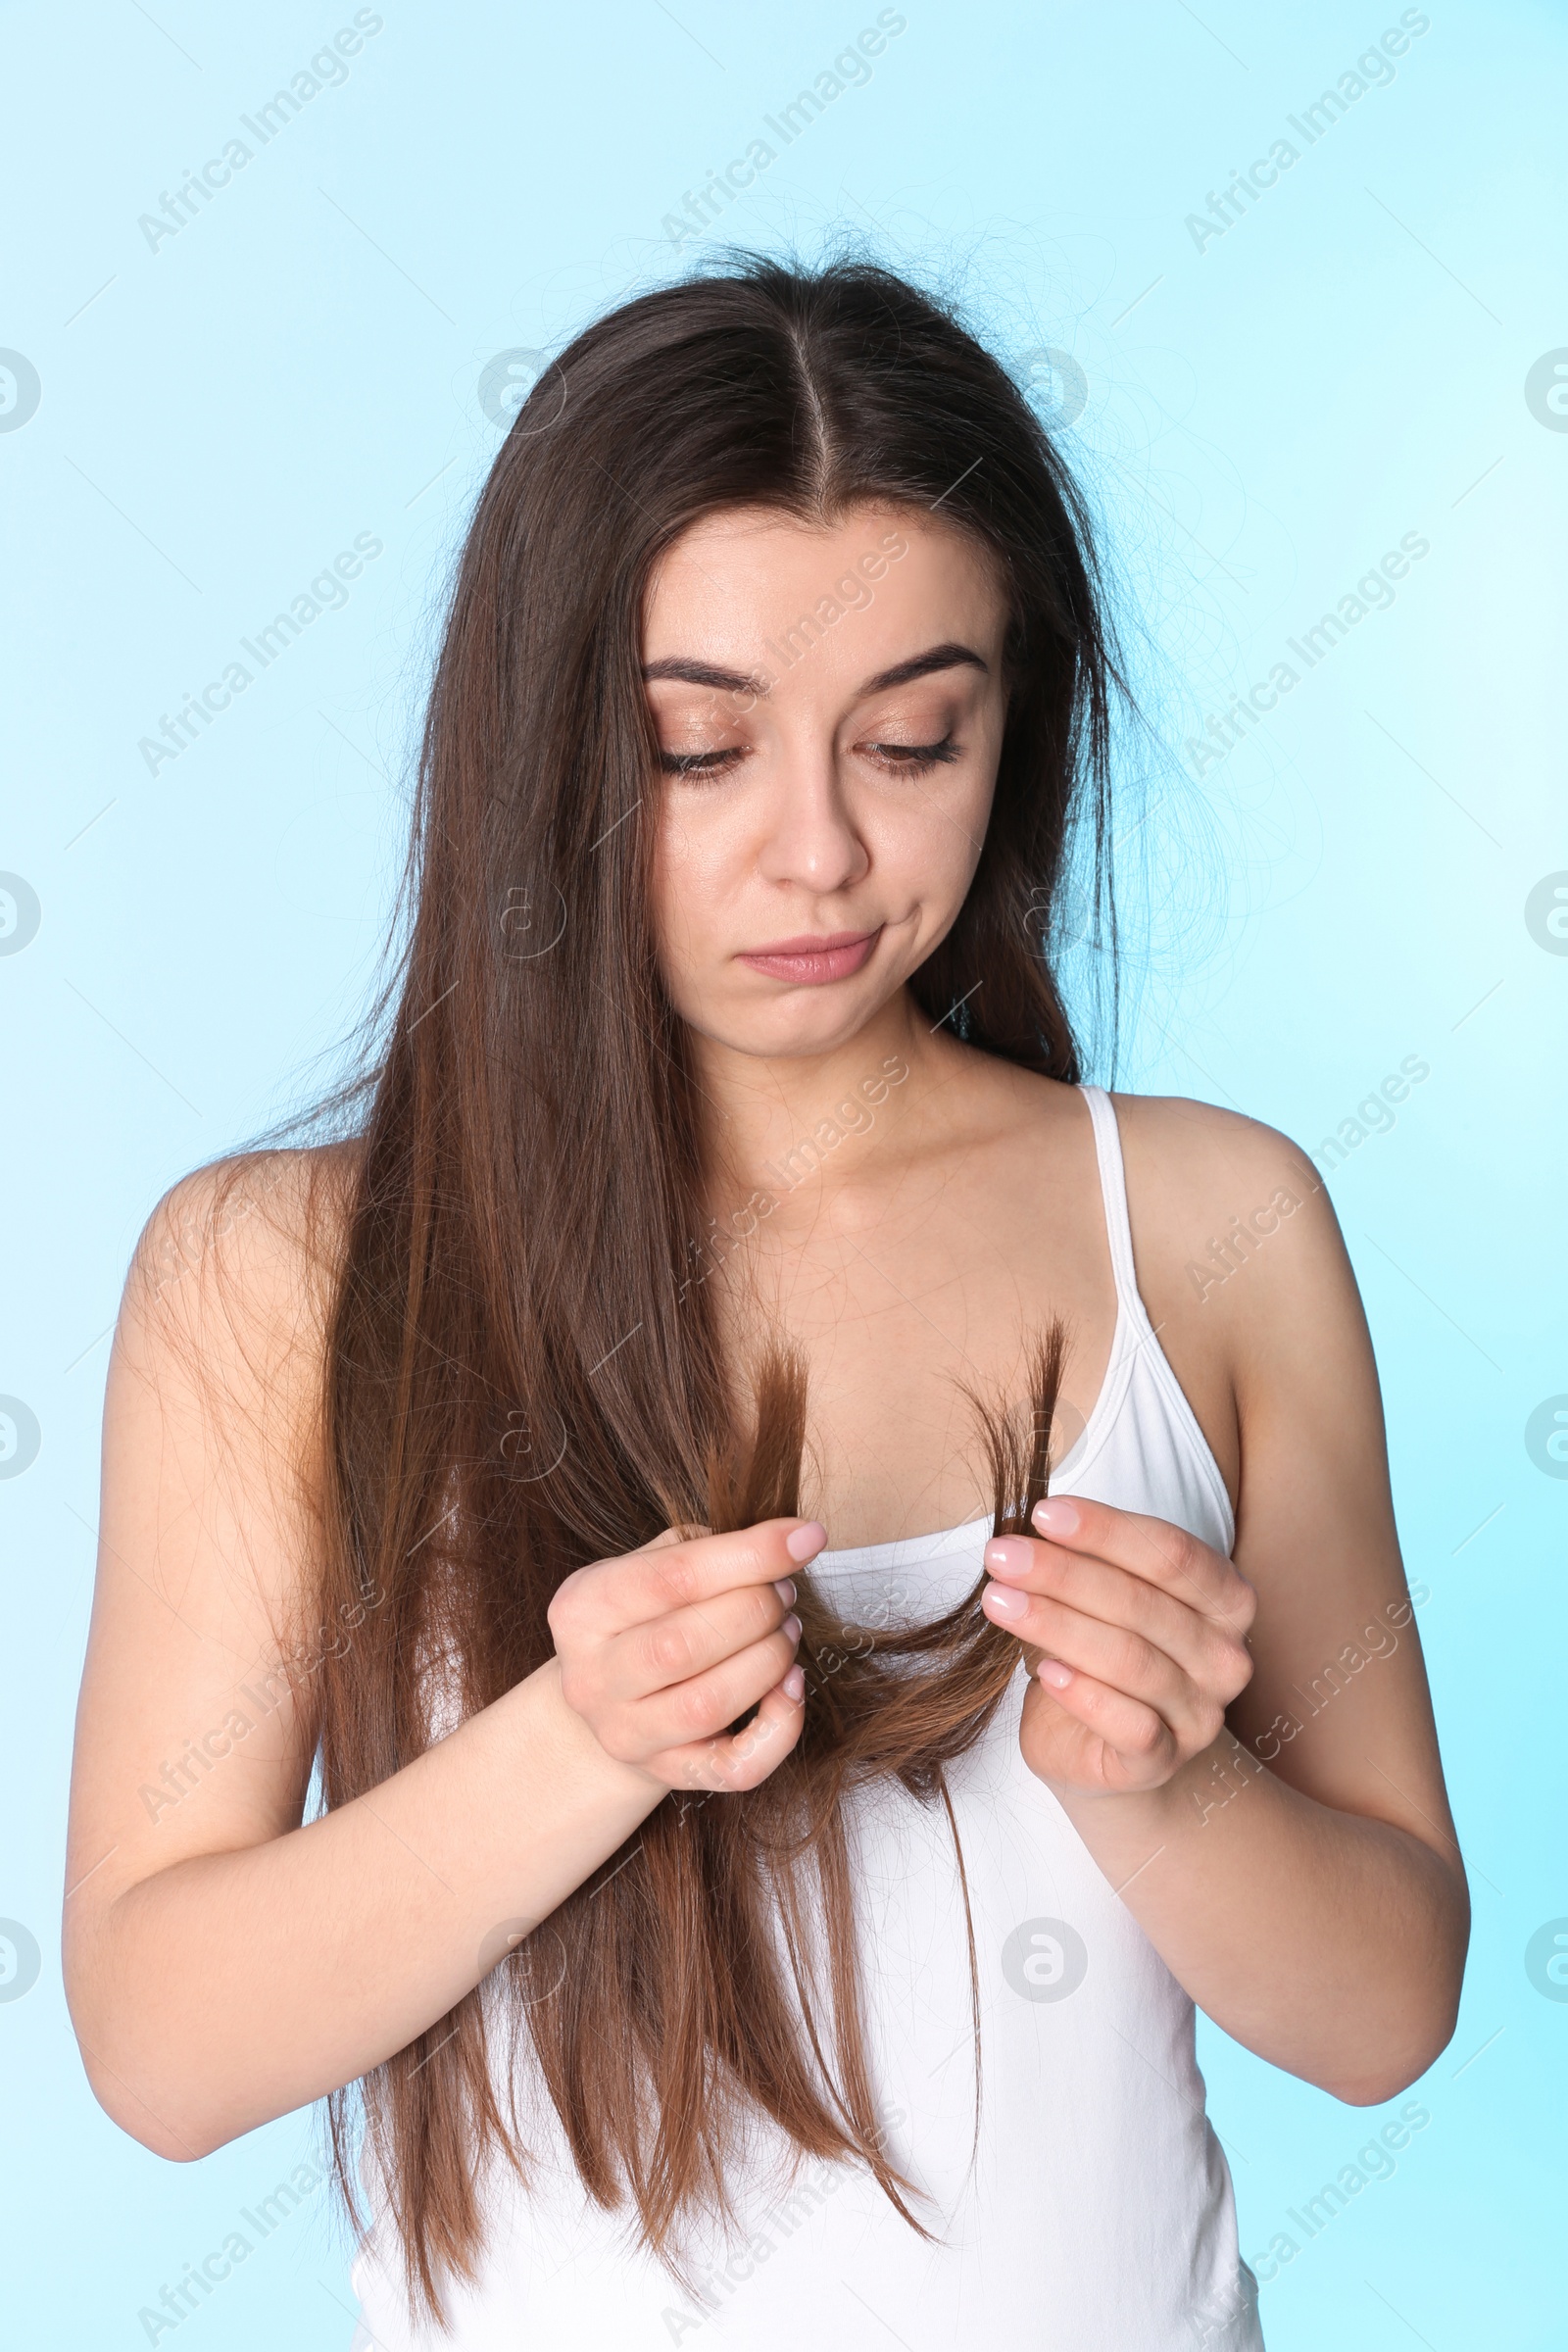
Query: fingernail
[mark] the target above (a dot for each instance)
(1055, 1516)
(794, 1684)
(791, 1629)
(1052, 1671)
(1008, 1555)
(785, 1589)
(1000, 1600)
(803, 1543)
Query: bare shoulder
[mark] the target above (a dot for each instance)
(232, 1278)
(1240, 1262)
(1201, 1179)
(1198, 1144)
(213, 1420)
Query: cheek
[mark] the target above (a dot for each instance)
(704, 842)
(700, 853)
(670, 888)
(927, 837)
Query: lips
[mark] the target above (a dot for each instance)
(809, 961)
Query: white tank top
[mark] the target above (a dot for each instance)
(1097, 2213)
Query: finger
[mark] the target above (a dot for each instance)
(686, 1642)
(1110, 1654)
(611, 1595)
(1139, 1736)
(707, 1704)
(1211, 1651)
(1166, 1557)
(745, 1758)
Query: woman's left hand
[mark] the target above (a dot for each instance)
(1135, 1635)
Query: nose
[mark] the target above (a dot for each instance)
(813, 839)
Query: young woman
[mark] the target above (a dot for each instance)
(701, 1965)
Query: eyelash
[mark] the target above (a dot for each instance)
(899, 759)
(696, 763)
(915, 759)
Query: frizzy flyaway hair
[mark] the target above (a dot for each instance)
(523, 1370)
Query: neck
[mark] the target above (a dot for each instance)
(804, 1124)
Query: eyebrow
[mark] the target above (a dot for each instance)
(921, 666)
(704, 674)
(949, 655)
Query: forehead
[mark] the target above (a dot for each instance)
(736, 578)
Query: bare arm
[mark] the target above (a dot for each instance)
(1250, 1758)
(225, 1961)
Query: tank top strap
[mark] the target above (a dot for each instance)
(1113, 1194)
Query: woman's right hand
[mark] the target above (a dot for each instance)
(661, 1650)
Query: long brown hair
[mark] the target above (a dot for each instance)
(523, 1368)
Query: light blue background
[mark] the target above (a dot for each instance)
(221, 415)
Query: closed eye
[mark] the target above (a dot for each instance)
(913, 758)
(699, 763)
(902, 759)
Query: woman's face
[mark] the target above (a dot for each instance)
(830, 705)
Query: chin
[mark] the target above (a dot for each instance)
(787, 1033)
